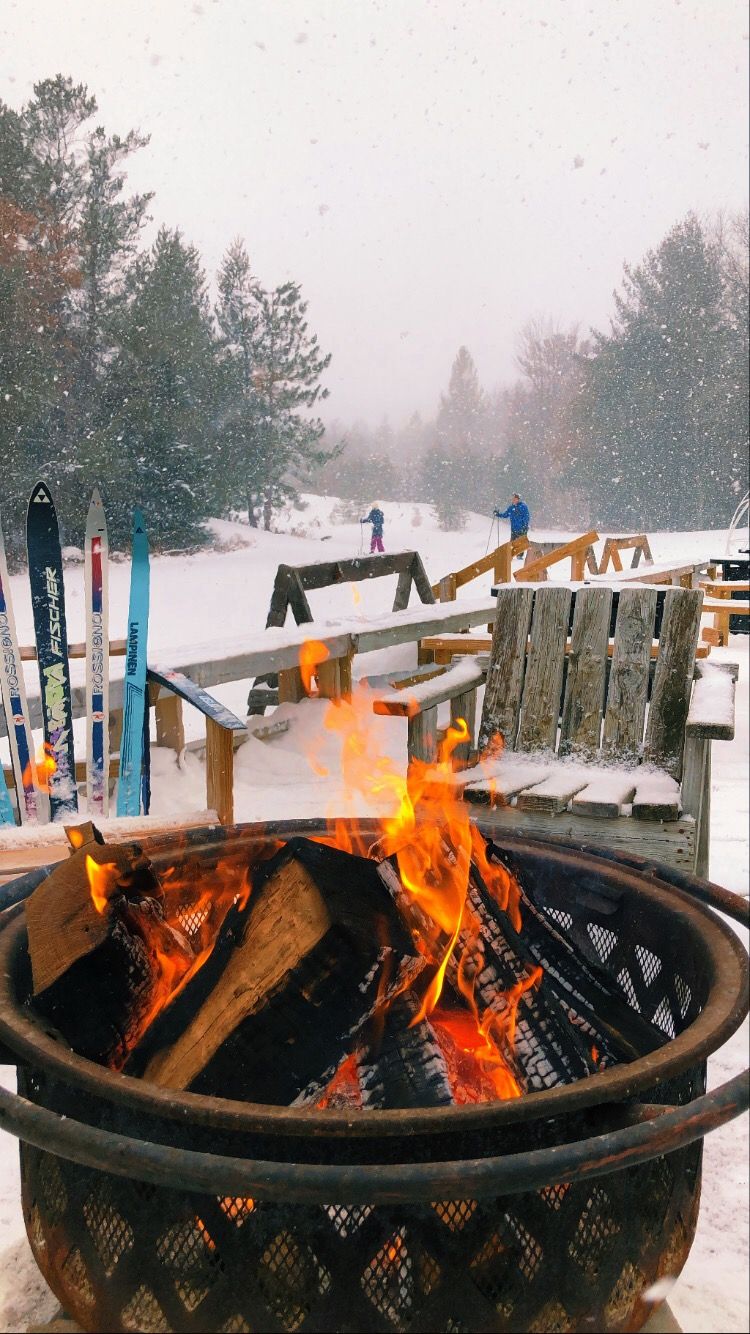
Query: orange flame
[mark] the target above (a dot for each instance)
(426, 827)
(42, 771)
(311, 655)
(103, 878)
(75, 838)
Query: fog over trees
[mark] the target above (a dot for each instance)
(197, 394)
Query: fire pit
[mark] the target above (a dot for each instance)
(151, 1209)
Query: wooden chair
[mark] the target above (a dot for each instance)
(588, 753)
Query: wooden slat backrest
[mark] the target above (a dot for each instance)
(540, 703)
(628, 678)
(505, 673)
(586, 677)
(673, 678)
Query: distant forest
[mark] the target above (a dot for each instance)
(645, 426)
(122, 364)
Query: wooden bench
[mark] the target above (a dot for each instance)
(721, 602)
(584, 758)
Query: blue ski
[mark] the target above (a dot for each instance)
(48, 606)
(134, 703)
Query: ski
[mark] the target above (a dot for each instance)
(48, 607)
(13, 691)
(97, 657)
(134, 703)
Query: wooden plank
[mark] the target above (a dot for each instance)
(604, 797)
(628, 678)
(416, 622)
(539, 566)
(403, 591)
(291, 689)
(505, 674)
(502, 553)
(554, 793)
(505, 781)
(711, 711)
(656, 797)
(673, 679)
(540, 703)
(426, 694)
(723, 588)
(325, 573)
(672, 842)
(220, 771)
(587, 665)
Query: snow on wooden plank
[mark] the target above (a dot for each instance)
(401, 627)
(657, 796)
(411, 701)
(606, 793)
(555, 792)
(711, 711)
(504, 780)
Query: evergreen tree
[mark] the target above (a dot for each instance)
(661, 396)
(158, 410)
(287, 368)
(453, 465)
(238, 317)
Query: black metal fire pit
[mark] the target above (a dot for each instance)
(154, 1210)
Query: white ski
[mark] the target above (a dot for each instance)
(97, 657)
(31, 801)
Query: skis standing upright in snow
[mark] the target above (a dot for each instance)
(134, 705)
(13, 691)
(97, 657)
(48, 606)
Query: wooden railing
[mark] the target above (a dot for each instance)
(613, 546)
(498, 561)
(580, 551)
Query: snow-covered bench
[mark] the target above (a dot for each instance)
(585, 753)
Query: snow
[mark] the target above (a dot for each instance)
(219, 598)
(712, 701)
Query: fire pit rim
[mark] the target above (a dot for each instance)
(724, 1010)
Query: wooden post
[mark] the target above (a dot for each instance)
(422, 736)
(115, 730)
(502, 563)
(448, 588)
(577, 565)
(170, 729)
(334, 678)
(464, 706)
(220, 771)
(291, 689)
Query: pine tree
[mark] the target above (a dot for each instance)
(453, 466)
(662, 447)
(238, 314)
(287, 370)
(158, 412)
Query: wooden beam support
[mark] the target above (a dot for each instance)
(220, 771)
(170, 727)
(537, 569)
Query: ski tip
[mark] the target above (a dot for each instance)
(96, 499)
(139, 523)
(40, 495)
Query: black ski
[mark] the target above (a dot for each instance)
(48, 606)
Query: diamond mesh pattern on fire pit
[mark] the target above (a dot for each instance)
(564, 1257)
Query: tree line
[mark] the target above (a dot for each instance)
(116, 366)
(643, 426)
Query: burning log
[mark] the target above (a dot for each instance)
(294, 976)
(102, 957)
(403, 1063)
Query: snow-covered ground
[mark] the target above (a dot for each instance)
(222, 594)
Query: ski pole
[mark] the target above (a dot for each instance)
(489, 539)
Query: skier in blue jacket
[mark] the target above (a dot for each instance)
(377, 518)
(519, 516)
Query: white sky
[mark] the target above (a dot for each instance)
(412, 164)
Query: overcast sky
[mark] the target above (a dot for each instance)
(431, 173)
